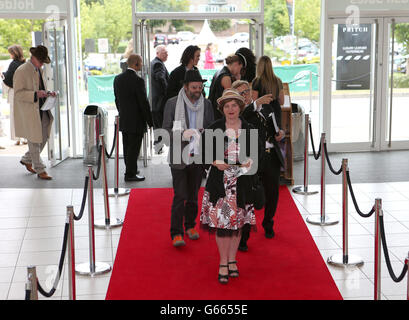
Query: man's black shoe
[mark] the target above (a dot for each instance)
(269, 234)
(243, 247)
(135, 178)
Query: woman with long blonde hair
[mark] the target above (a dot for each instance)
(16, 53)
(266, 81)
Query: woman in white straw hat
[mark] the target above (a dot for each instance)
(227, 202)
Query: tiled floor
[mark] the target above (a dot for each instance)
(32, 224)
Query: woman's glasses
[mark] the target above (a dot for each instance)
(244, 92)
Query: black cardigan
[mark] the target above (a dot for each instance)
(214, 183)
(8, 75)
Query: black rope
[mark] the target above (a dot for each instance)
(316, 156)
(60, 265)
(329, 162)
(363, 215)
(96, 177)
(386, 253)
(109, 155)
(84, 198)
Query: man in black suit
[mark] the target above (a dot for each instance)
(159, 84)
(134, 114)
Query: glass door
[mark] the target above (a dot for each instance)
(55, 40)
(366, 109)
(351, 109)
(396, 97)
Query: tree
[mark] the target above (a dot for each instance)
(402, 36)
(276, 18)
(111, 20)
(220, 24)
(308, 19)
(17, 31)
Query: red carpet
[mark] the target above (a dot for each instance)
(148, 267)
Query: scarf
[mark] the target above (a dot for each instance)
(180, 120)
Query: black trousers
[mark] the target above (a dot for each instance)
(186, 185)
(270, 178)
(132, 146)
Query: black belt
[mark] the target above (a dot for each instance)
(269, 150)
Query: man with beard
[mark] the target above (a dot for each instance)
(185, 116)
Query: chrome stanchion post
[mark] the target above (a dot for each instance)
(304, 189)
(377, 271)
(344, 259)
(116, 191)
(92, 268)
(322, 220)
(32, 282)
(71, 254)
(108, 222)
(407, 287)
(145, 150)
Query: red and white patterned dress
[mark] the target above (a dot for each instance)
(225, 215)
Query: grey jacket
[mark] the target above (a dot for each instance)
(169, 117)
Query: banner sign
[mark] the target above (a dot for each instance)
(298, 76)
(353, 62)
(101, 89)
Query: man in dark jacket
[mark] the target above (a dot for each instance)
(185, 116)
(159, 84)
(134, 114)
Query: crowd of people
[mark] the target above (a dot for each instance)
(244, 96)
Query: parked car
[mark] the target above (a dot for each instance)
(185, 35)
(399, 64)
(95, 62)
(160, 39)
(239, 37)
(173, 39)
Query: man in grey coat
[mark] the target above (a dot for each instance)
(185, 116)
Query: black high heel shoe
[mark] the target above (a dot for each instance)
(233, 273)
(224, 278)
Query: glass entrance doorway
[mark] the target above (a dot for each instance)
(365, 112)
(54, 37)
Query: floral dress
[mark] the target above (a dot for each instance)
(225, 217)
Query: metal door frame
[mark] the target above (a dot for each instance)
(64, 153)
(380, 67)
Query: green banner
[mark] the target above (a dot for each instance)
(207, 74)
(101, 89)
(298, 76)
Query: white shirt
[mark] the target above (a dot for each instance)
(258, 110)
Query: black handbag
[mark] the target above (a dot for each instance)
(258, 193)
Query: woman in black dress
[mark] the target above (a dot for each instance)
(227, 204)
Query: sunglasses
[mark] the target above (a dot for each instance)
(244, 92)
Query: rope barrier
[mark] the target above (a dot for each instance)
(386, 253)
(96, 177)
(60, 266)
(316, 156)
(109, 155)
(329, 162)
(84, 198)
(351, 191)
(333, 80)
